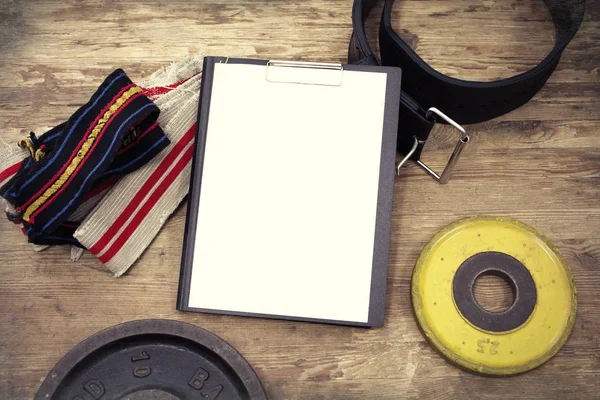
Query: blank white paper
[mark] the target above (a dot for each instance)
(288, 196)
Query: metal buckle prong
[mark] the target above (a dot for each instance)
(408, 155)
(462, 141)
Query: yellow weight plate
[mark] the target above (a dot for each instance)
(513, 351)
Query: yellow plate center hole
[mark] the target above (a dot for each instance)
(494, 291)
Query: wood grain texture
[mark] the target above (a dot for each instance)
(539, 164)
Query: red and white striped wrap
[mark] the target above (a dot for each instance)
(120, 219)
(11, 157)
(128, 217)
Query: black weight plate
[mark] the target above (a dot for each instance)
(152, 360)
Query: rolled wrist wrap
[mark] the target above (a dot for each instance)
(112, 135)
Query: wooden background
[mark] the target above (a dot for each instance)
(540, 164)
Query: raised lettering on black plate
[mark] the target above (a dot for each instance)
(95, 388)
(142, 372)
(212, 393)
(143, 356)
(197, 381)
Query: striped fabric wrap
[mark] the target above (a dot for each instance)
(11, 157)
(130, 215)
(112, 135)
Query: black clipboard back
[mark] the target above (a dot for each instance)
(384, 195)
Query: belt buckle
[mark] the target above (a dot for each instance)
(462, 141)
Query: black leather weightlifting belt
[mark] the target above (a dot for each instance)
(428, 95)
(115, 133)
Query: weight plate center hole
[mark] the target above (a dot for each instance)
(151, 394)
(494, 291)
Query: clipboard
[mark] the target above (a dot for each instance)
(290, 201)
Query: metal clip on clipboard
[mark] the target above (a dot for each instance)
(307, 73)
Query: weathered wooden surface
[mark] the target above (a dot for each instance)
(540, 164)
